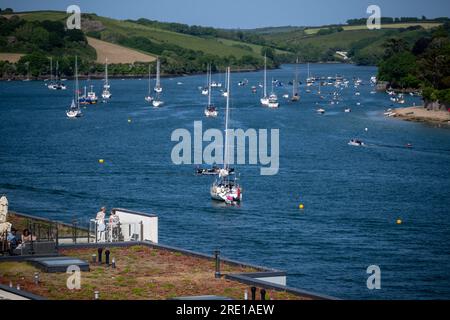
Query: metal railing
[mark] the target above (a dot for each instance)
(105, 231)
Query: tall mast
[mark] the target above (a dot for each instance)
(28, 70)
(158, 66)
(209, 86)
(149, 79)
(56, 73)
(51, 70)
(226, 80)
(265, 75)
(225, 162)
(106, 72)
(296, 78)
(77, 99)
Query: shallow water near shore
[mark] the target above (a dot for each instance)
(353, 196)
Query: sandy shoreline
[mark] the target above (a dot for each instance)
(420, 114)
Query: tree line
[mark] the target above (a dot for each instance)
(424, 65)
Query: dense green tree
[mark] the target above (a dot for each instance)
(397, 68)
(394, 46)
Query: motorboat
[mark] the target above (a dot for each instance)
(214, 171)
(211, 112)
(91, 97)
(356, 143)
(273, 101)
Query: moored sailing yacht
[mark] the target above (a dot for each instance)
(265, 99)
(51, 85)
(106, 94)
(310, 80)
(207, 89)
(210, 111)
(273, 100)
(157, 102)
(149, 97)
(158, 88)
(225, 93)
(74, 110)
(295, 93)
(58, 85)
(224, 188)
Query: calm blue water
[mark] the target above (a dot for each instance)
(353, 196)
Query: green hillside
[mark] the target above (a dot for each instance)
(180, 53)
(186, 49)
(364, 46)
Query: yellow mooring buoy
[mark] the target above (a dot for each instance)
(399, 221)
(301, 206)
(101, 161)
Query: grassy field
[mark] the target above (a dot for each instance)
(340, 40)
(116, 53)
(116, 28)
(425, 25)
(11, 57)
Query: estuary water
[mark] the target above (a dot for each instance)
(49, 166)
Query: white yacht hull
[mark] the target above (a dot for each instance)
(73, 114)
(157, 103)
(211, 114)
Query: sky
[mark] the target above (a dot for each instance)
(242, 14)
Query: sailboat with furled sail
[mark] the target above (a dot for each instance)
(225, 93)
(157, 102)
(149, 97)
(210, 111)
(295, 93)
(225, 188)
(74, 110)
(106, 94)
(58, 84)
(51, 85)
(265, 99)
(158, 88)
(207, 89)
